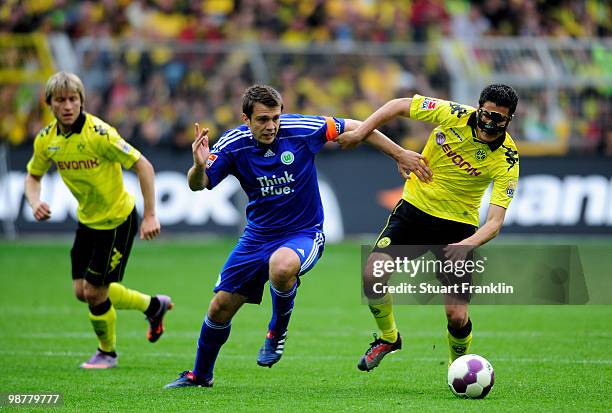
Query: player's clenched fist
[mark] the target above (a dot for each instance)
(41, 211)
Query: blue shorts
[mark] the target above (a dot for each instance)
(246, 270)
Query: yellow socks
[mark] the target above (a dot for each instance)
(459, 341)
(105, 327)
(125, 299)
(382, 310)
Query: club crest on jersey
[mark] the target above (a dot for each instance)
(440, 138)
(287, 157)
(211, 160)
(428, 104)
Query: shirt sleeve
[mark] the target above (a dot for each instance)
(39, 163)
(118, 150)
(442, 112)
(327, 133)
(505, 184)
(218, 167)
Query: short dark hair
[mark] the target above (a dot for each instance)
(501, 95)
(263, 94)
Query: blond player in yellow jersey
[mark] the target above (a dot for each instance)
(468, 149)
(89, 155)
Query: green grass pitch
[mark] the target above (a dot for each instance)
(546, 358)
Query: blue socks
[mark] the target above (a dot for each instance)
(282, 306)
(212, 336)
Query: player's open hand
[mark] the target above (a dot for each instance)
(41, 211)
(457, 252)
(149, 228)
(349, 139)
(199, 147)
(410, 161)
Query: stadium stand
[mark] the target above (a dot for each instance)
(151, 67)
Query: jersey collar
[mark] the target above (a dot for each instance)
(492, 145)
(77, 127)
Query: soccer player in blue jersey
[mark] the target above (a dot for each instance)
(272, 155)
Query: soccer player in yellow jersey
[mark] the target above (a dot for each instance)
(89, 154)
(468, 149)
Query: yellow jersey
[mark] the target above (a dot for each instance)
(89, 160)
(463, 166)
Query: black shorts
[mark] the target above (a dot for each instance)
(100, 255)
(412, 233)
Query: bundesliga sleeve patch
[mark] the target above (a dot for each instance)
(211, 160)
(511, 189)
(429, 104)
(124, 146)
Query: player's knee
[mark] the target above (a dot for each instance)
(219, 311)
(94, 295)
(284, 266)
(80, 295)
(376, 269)
(79, 292)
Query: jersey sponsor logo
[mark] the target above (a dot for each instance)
(457, 109)
(511, 156)
(211, 160)
(456, 134)
(276, 185)
(481, 154)
(383, 242)
(511, 189)
(428, 104)
(458, 160)
(269, 153)
(287, 158)
(440, 138)
(75, 165)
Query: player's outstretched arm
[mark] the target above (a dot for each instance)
(196, 176)
(40, 209)
(407, 161)
(387, 112)
(495, 220)
(150, 226)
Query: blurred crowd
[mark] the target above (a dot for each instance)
(185, 61)
(309, 20)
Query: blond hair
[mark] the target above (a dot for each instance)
(64, 81)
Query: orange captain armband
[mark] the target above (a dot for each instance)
(333, 129)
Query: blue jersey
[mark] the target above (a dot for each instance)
(280, 179)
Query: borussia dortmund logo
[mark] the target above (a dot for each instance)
(481, 154)
(383, 242)
(287, 158)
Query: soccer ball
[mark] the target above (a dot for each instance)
(470, 377)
